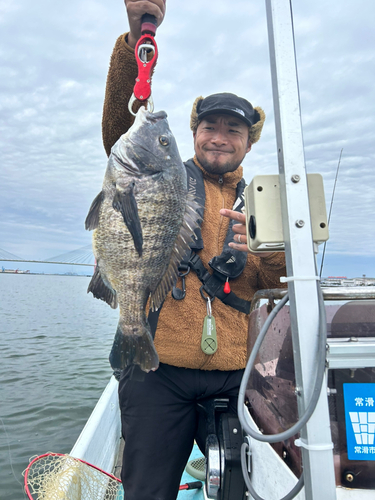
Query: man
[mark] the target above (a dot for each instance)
(160, 417)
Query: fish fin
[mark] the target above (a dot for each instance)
(125, 202)
(92, 219)
(134, 346)
(182, 244)
(101, 290)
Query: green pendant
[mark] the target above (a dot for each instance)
(209, 339)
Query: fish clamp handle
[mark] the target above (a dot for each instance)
(148, 24)
(146, 55)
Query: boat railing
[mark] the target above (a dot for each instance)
(329, 293)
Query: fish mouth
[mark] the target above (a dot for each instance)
(154, 117)
(131, 140)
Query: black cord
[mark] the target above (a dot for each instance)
(273, 438)
(282, 436)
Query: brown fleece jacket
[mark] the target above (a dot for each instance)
(179, 331)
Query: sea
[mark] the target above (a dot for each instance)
(54, 345)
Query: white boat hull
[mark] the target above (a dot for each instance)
(99, 440)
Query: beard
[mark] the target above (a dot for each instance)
(217, 167)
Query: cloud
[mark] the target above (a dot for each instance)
(54, 61)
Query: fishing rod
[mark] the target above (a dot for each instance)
(330, 211)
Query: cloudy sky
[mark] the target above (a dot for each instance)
(54, 61)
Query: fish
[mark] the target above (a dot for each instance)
(144, 221)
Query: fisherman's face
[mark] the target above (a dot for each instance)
(221, 143)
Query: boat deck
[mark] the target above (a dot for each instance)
(186, 478)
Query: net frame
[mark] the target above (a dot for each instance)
(31, 494)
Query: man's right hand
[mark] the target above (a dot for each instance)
(135, 10)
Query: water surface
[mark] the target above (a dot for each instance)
(54, 345)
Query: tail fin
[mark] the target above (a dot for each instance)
(134, 346)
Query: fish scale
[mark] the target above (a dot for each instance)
(144, 221)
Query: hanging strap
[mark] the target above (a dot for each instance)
(213, 285)
(229, 264)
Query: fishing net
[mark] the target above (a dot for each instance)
(55, 476)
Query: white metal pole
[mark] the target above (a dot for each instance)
(318, 463)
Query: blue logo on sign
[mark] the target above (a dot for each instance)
(359, 401)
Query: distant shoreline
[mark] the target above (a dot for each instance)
(24, 273)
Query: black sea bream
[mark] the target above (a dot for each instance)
(144, 221)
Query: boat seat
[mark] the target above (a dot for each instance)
(354, 319)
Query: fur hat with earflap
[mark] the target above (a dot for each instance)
(229, 104)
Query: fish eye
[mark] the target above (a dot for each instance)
(163, 140)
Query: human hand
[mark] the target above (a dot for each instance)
(240, 237)
(135, 10)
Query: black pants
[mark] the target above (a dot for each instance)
(160, 421)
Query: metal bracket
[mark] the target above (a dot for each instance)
(353, 352)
